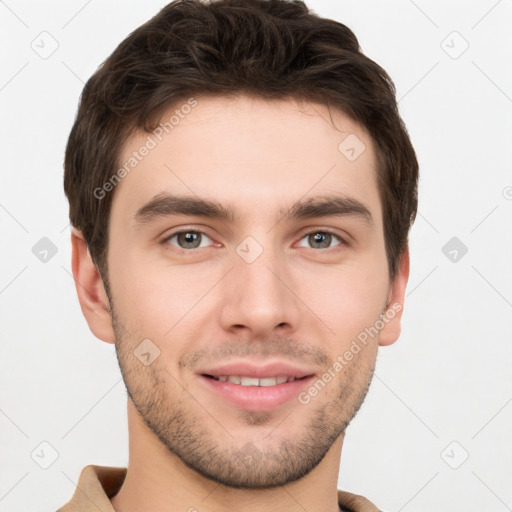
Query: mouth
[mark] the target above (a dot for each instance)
(253, 388)
(254, 381)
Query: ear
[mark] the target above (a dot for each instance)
(91, 292)
(393, 314)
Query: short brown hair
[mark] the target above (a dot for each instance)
(271, 49)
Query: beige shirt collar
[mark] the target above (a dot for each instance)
(97, 484)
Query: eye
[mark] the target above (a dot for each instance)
(322, 239)
(188, 239)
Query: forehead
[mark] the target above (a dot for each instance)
(254, 153)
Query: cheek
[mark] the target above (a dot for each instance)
(156, 298)
(348, 299)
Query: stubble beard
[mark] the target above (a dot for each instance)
(181, 422)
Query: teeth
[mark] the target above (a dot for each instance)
(249, 381)
(253, 381)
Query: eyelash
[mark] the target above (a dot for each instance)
(342, 242)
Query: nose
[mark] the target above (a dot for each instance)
(259, 297)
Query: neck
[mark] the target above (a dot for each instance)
(157, 479)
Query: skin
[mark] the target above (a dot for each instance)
(298, 302)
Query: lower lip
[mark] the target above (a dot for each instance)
(257, 398)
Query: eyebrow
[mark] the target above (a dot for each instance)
(164, 205)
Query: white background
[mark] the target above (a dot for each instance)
(448, 377)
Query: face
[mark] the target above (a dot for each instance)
(216, 305)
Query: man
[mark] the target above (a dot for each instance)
(241, 188)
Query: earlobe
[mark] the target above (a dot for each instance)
(393, 314)
(90, 290)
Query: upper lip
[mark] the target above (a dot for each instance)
(247, 369)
